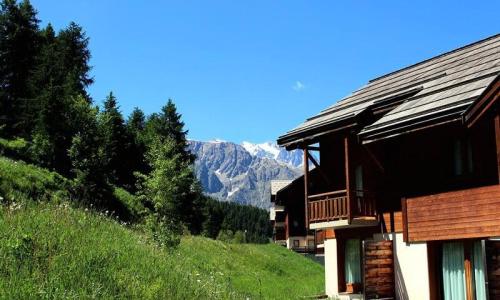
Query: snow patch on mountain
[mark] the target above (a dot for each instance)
(273, 151)
(242, 173)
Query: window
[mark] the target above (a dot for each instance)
(296, 243)
(462, 156)
(359, 180)
(462, 270)
(358, 175)
(310, 243)
(352, 261)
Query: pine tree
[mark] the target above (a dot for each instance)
(19, 45)
(50, 122)
(136, 125)
(167, 128)
(73, 48)
(116, 142)
(57, 80)
(168, 124)
(87, 156)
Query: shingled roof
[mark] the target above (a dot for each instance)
(437, 89)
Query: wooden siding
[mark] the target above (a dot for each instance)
(329, 233)
(392, 221)
(378, 269)
(470, 213)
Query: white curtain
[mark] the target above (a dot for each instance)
(453, 271)
(478, 264)
(352, 261)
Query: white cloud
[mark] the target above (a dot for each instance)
(298, 86)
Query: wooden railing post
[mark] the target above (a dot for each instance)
(347, 179)
(306, 182)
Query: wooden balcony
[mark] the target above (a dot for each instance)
(341, 209)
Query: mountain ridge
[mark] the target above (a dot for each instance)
(242, 173)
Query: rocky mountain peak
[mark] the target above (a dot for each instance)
(242, 173)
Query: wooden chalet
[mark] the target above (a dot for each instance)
(288, 218)
(407, 187)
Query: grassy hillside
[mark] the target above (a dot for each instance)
(61, 252)
(49, 249)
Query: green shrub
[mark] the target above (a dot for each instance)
(24, 182)
(16, 148)
(239, 237)
(166, 233)
(135, 210)
(225, 235)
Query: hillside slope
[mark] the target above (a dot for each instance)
(49, 251)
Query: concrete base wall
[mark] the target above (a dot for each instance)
(331, 274)
(410, 267)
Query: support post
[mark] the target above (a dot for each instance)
(320, 170)
(306, 182)
(347, 178)
(405, 220)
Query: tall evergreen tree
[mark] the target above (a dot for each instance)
(136, 125)
(51, 124)
(18, 49)
(61, 74)
(87, 156)
(116, 142)
(168, 124)
(167, 128)
(75, 54)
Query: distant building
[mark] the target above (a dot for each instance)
(287, 218)
(408, 189)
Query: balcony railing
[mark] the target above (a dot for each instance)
(340, 205)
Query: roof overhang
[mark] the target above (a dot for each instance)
(379, 106)
(311, 136)
(451, 115)
(487, 101)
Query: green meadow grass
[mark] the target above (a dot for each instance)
(55, 251)
(52, 250)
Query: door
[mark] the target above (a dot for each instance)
(378, 264)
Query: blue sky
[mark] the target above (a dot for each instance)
(251, 70)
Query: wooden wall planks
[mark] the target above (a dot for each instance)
(471, 213)
(378, 269)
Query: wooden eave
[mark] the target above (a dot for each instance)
(428, 121)
(311, 136)
(487, 101)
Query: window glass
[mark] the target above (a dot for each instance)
(457, 156)
(453, 271)
(353, 261)
(479, 272)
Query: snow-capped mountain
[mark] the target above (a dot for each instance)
(273, 151)
(241, 173)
